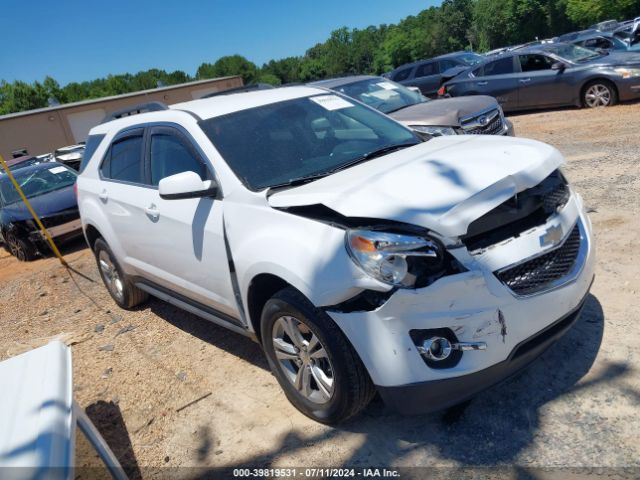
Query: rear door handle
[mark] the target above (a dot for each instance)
(481, 84)
(103, 195)
(152, 211)
(525, 80)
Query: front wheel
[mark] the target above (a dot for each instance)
(316, 366)
(599, 93)
(22, 249)
(121, 289)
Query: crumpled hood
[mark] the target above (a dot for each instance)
(445, 112)
(45, 205)
(442, 185)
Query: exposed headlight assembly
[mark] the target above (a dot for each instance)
(628, 72)
(433, 131)
(404, 261)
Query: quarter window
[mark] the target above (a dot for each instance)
(402, 74)
(170, 156)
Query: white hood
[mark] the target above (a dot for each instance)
(443, 184)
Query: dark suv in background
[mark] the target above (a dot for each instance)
(427, 74)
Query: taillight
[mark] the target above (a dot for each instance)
(75, 190)
(442, 91)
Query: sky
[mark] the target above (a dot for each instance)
(75, 40)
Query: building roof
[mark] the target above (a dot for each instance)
(114, 97)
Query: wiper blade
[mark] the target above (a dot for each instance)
(378, 153)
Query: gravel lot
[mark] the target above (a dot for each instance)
(134, 372)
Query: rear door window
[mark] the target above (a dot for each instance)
(427, 69)
(124, 162)
(502, 66)
(447, 64)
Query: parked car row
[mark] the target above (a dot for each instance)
(551, 75)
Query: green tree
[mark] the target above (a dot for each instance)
(227, 66)
(586, 12)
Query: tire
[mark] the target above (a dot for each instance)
(337, 383)
(119, 286)
(599, 93)
(22, 249)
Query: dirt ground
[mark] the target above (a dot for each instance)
(136, 372)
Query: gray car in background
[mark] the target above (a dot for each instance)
(449, 116)
(427, 75)
(552, 75)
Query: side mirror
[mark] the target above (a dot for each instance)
(414, 89)
(186, 185)
(558, 66)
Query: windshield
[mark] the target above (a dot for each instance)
(573, 53)
(36, 182)
(306, 137)
(382, 94)
(470, 59)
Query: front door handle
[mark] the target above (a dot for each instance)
(103, 195)
(482, 84)
(525, 80)
(152, 211)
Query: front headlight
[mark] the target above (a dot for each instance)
(628, 72)
(394, 259)
(433, 131)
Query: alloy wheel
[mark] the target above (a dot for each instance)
(110, 275)
(598, 95)
(303, 359)
(16, 249)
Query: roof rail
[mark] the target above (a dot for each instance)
(134, 110)
(243, 89)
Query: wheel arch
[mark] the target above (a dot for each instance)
(261, 288)
(91, 234)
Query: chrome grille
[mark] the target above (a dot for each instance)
(540, 273)
(474, 125)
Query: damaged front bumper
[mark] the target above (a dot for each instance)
(475, 306)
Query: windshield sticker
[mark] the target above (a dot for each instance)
(387, 85)
(58, 170)
(331, 102)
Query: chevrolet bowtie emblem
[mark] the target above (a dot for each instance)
(552, 236)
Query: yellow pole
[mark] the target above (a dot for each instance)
(44, 231)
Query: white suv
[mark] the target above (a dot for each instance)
(360, 257)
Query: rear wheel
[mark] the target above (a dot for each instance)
(599, 93)
(121, 289)
(316, 366)
(23, 250)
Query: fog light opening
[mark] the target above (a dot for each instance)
(436, 348)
